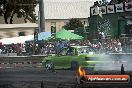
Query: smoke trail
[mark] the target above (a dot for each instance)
(114, 62)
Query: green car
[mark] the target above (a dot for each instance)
(71, 57)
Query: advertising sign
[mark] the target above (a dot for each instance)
(128, 6)
(119, 7)
(94, 11)
(110, 9)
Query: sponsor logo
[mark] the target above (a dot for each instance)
(110, 9)
(129, 6)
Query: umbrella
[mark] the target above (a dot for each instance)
(44, 35)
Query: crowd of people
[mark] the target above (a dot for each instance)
(12, 48)
(115, 46)
(101, 46)
(109, 46)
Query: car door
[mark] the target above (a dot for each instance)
(63, 60)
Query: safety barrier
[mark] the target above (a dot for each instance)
(21, 61)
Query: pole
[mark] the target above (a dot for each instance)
(42, 18)
(98, 12)
(39, 21)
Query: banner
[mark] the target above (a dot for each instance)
(128, 6)
(102, 9)
(94, 11)
(110, 9)
(107, 78)
(119, 7)
(98, 10)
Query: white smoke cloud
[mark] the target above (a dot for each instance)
(113, 63)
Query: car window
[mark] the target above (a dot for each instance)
(67, 51)
(64, 51)
(86, 50)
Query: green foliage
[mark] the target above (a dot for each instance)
(82, 31)
(23, 8)
(73, 24)
(79, 31)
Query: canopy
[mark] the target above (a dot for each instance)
(22, 39)
(44, 35)
(16, 40)
(67, 35)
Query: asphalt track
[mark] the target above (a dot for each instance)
(35, 74)
(33, 77)
(36, 77)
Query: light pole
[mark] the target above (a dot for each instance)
(41, 16)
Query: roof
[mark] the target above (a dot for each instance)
(66, 10)
(24, 25)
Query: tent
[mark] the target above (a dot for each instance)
(41, 37)
(44, 35)
(16, 40)
(67, 35)
(23, 39)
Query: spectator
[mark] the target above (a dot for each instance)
(122, 69)
(70, 51)
(0, 51)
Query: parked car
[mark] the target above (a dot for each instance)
(71, 57)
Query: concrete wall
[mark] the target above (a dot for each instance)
(13, 32)
(60, 23)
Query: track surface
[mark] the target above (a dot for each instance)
(35, 74)
(32, 75)
(36, 77)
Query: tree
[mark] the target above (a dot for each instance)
(73, 24)
(23, 8)
(76, 25)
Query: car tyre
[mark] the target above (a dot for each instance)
(74, 65)
(49, 65)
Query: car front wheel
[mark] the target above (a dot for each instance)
(49, 65)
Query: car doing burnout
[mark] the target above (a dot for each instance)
(71, 57)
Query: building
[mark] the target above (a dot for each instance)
(15, 30)
(58, 13)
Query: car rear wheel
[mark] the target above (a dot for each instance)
(74, 65)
